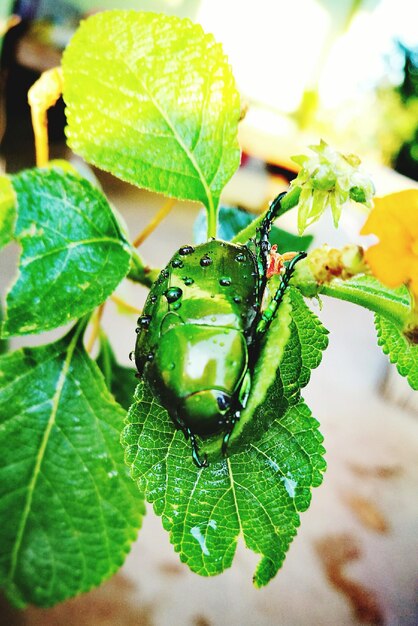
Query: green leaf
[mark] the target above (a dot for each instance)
(68, 509)
(312, 336)
(269, 393)
(232, 220)
(276, 457)
(3, 344)
(257, 494)
(399, 350)
(120, 380)
(74, 253)
(7, 210)
(152, 99)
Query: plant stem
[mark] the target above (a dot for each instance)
(289, 201)
(95, 328)
(120, 302)
(141, 273)
(43, 94)
(212, 220)
(156, 220)
(398, 311)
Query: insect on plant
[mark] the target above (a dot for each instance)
(225, 345)
(200, 331)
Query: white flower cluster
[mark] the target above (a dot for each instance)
(329, 178)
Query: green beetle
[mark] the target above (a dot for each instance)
(199, 334)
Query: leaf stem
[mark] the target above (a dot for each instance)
(289, 201)
(212, 219)
(97, 316)
(140, 272)
(156, 220)
(122, 303)
(43, 94)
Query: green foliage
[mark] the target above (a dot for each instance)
(258, 492)
(68, 508)
(73, 251)
(7, 210)
(152, 99)
(120, 380)
(232, 220)
(3, 343)
(398, 349)
(268, 396)
(312, 336)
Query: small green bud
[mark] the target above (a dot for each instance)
(357, 194)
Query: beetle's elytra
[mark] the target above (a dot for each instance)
(199, 334)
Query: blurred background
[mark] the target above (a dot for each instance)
(346, 72)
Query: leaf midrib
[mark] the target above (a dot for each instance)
(40, 456)
(71, 246)
(166, 118)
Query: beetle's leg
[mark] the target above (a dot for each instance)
(269, 313)
(195, 451)
(180, 425)
(234, 419)
(242, 402)
(262, 240)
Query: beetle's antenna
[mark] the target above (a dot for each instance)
(262, 240)
(195, 451)
(268, 315)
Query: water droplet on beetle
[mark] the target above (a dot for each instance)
(171, 366)
(240, 257)
(188, 281)
(137, 330)
(132, 355)
(150, 356)
(205, 261)
(144, 321)
(184, 250)
(176, 306)
(165, 274)
(237, 299)
(177, 263)
(153, 298)
(173, 294)
(225, 281)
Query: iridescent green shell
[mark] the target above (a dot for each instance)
(196, 330)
